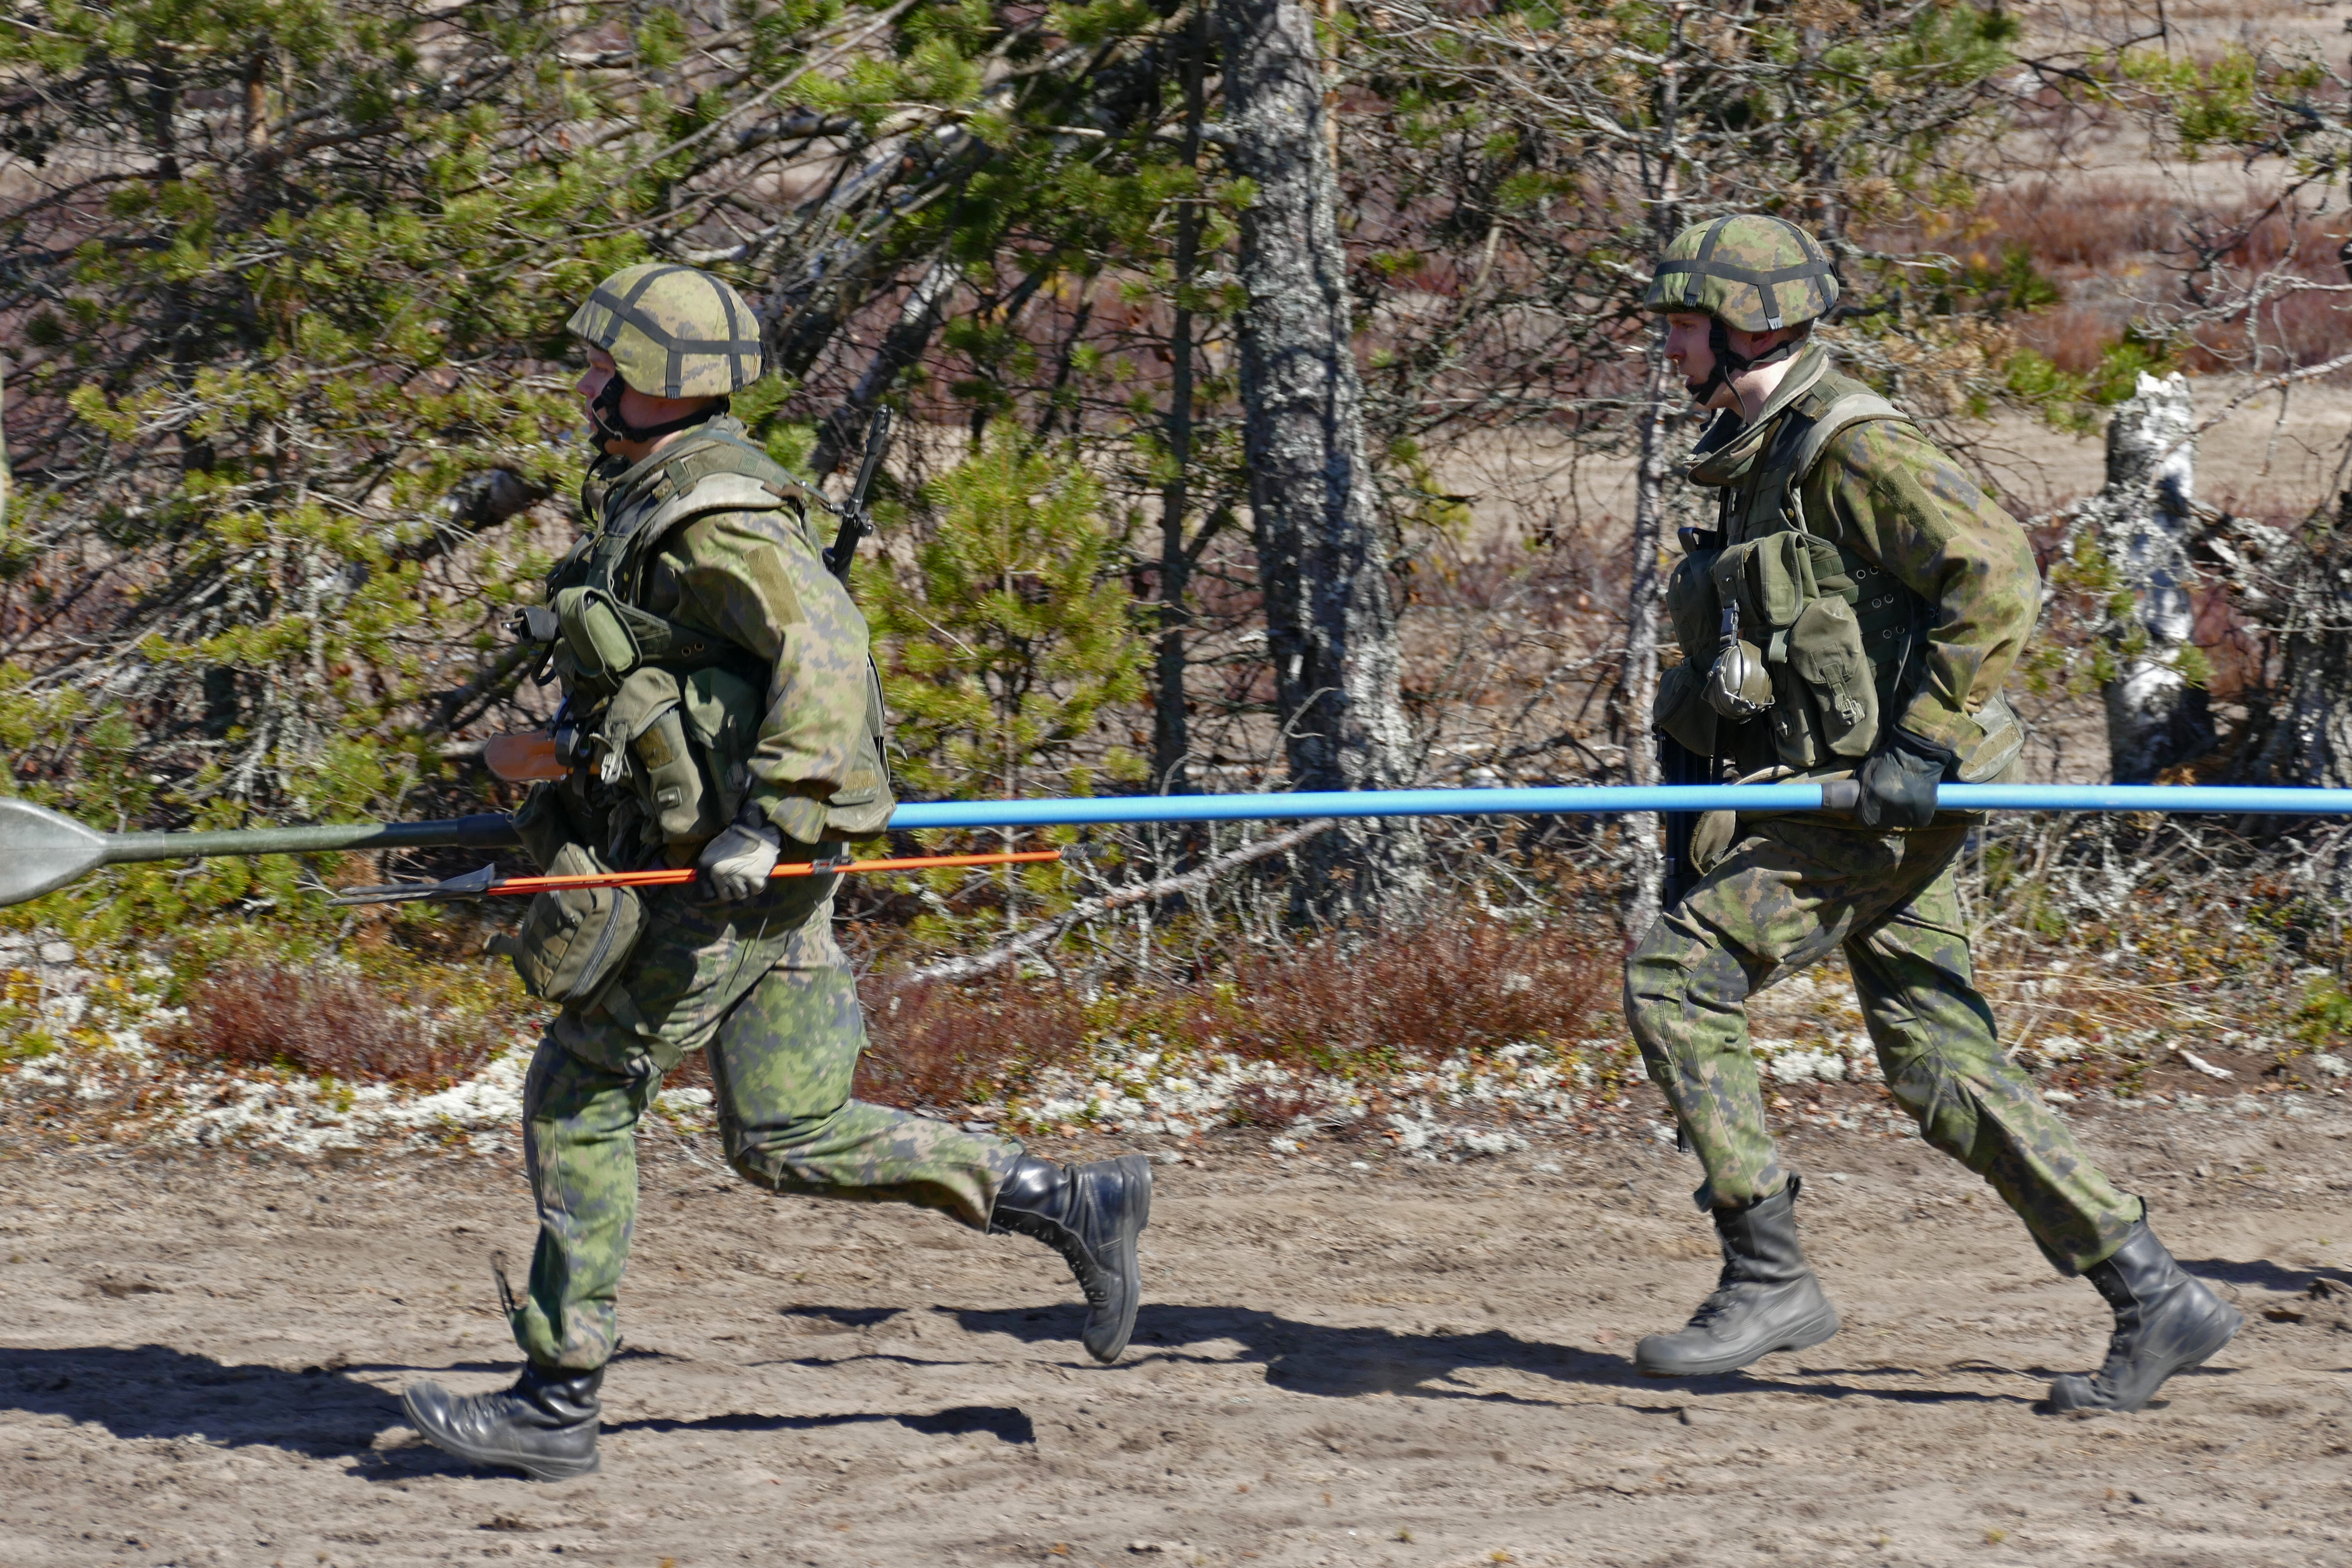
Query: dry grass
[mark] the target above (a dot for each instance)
(328, 1024)
(1341, 1003)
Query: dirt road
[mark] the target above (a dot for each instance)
(1400, 1365)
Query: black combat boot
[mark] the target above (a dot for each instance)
(1091, 1215)
(1767, 1297)
(545, 1426)
(2165, 1322)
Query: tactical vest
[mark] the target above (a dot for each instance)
(1795, 646)
(660, 719)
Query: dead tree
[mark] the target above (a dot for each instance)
(2144, 520)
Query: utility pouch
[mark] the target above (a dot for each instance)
(574, 941)
(1692, 607)
(596, 634)
(1826, 655)
(645, 723)
(1772, 577)
(1680, 709)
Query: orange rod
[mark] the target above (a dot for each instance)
(667, 878)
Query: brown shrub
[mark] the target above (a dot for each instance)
(1461, 983)
(935, 1043)
(1335, 1003)
(327, 1024)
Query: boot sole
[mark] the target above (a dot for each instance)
(538, 1470)
(1137, 1170)
(1816, 1330)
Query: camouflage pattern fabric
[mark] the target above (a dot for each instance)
(1790, 893)
(1751, 271)
(672, 330)
(762, 986)
(1890, 493)
(757, 580)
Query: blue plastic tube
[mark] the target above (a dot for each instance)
(1605, 799)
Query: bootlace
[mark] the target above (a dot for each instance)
(1082, 1264)
(1074, 1252)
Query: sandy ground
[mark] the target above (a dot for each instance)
(1404, 1363)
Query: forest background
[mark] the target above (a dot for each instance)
(1278, 413)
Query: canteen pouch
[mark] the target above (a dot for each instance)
(722, 714)
(1680, 709)
(2004, 737)
(574, 941)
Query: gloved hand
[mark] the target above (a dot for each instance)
(1899, 781)
(735, 865)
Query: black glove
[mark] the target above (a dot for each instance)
(1899, 781)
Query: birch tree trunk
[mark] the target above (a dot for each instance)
(1331, 616)
(1640, 685)
(2156, 718)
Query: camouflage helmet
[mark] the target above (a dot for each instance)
(673, 331)
(1751, 271)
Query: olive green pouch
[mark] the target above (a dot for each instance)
(574, 941)
(545, 824)
(723, 712)
(646, 723)
(1680, 708)
(596, 634)
(1826, 653)
(1693, 607)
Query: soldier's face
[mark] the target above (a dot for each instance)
(1686, 347)
(601, 369)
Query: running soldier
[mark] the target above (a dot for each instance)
(720, 711)
(1854, 613)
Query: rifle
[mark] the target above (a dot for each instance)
(856, 519)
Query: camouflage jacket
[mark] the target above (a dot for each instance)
(1884, 491)
(711, 534)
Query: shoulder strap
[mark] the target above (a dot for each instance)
(1843, 414)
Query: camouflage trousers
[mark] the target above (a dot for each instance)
(1788, 893)
(763, 989)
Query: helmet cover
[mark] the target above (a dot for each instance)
(1751, 271)
(674, 332)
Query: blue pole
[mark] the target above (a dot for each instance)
(1609, 800)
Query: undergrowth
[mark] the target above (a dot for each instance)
(1344, 1003)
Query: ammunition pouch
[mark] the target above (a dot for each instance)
(684, 744)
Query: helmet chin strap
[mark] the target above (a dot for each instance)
(605, 412)
(1730, 362)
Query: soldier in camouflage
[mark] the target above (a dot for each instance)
(720, 711)
(1854, 612)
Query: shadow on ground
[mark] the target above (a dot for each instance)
(1342, 1363)
(154, 1391)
